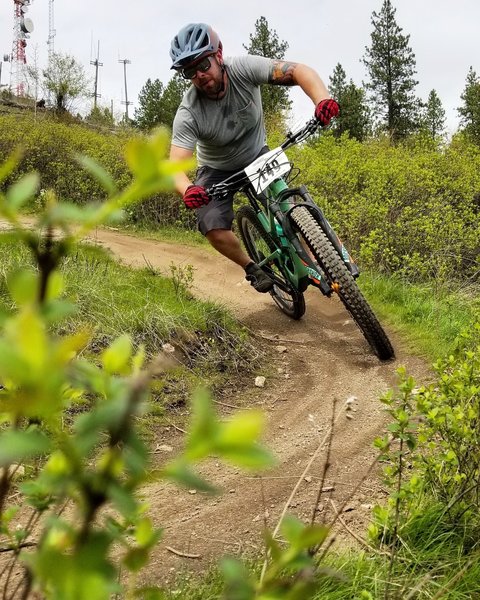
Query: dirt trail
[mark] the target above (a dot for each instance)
(326, 358)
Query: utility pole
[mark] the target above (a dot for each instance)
(51, 40)
(97, 64)
(125, 62)
(51, 32)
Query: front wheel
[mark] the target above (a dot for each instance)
(259, 245)
(342, 281)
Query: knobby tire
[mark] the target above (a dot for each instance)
(337, 272)
(291, 302)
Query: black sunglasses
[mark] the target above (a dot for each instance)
(203, 66)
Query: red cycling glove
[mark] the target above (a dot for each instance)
(326, 110)
(195, 196)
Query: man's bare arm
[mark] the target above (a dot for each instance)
(181, 179)
(282, 73)
(290, 73)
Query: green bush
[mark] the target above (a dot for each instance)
(50, 147)
(413, 209)
(433, 449)
(72, 525)
(449, 432)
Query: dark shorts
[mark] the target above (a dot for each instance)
(218, 214)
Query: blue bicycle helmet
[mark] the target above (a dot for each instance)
(191, 42)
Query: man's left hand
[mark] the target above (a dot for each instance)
(326, 110)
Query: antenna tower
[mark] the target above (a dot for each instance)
(22, 28)
(125, 62)
(51, 32)
(96, 64)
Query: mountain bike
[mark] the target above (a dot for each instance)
(286, 233)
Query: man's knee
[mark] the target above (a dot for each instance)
(216, 235)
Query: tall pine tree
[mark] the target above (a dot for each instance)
(158, 104)
(433, 119)
(149, 111)
(391, 65)
(470, 110)
(172, 96)
(354, 114)
(265, 42)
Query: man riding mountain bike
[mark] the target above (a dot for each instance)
(221, 117)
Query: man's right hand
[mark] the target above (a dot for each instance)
(195, 196)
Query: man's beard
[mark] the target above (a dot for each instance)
(214, 91)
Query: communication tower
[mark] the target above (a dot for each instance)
(125, 62)
(51, 32)
(96, 64)
(22, 28)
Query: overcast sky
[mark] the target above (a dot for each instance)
(444, 35)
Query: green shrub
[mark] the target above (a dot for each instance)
(50, 147)
(74, 527)
(433, 449)
(412, 209)
(449, 432)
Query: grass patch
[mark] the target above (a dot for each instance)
(367, 577)
(428, 316)
(112, 299)
(171, 234)
(364, 575)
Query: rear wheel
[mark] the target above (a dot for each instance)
(259, 245)
(342, 281)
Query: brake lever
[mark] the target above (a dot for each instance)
(217, 192)
(294, 138)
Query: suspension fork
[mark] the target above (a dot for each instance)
(313, 269)
(276, 206)
(318, 215)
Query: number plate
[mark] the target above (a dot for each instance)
(267, 168)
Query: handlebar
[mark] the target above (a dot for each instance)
(239, 179)
(302, 134)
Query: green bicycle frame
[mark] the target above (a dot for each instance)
(298, 271)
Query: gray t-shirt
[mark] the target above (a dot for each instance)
(228, 133)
